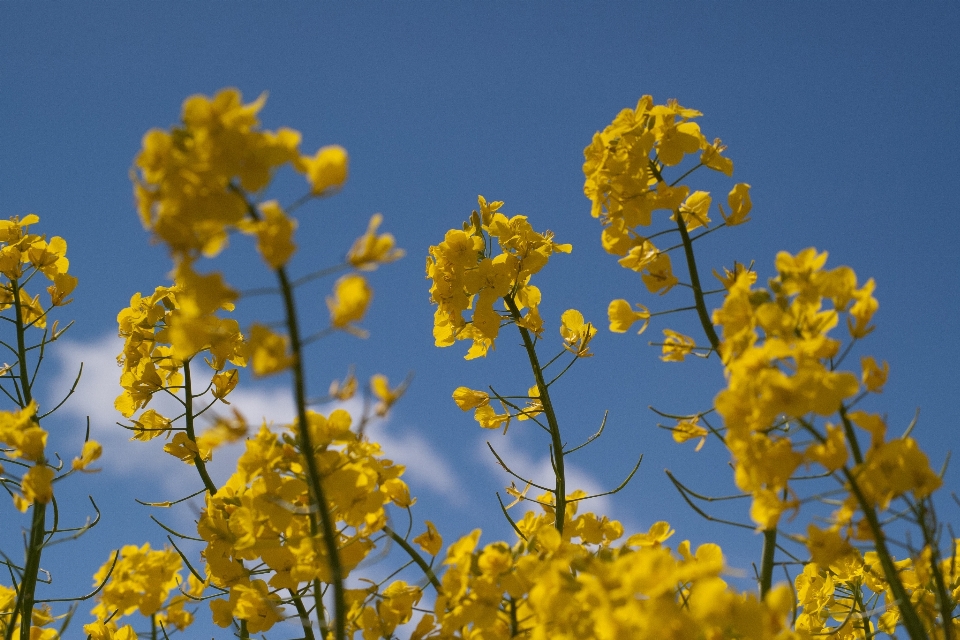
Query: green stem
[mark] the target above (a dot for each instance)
(28, 585)
(851, 434)
(313, 472)
(695, 284)
(303, 615)
(415, 556)
(557, 444)
(188, 408)
(911, 621)
(865, 624)
(766, 560)
(326, 525)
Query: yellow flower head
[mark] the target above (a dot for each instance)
(371, 250)
(350, 300)
(327, 170)
(576, 333)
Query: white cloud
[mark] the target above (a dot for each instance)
(540, 471)
(99, 386)
(94, 397)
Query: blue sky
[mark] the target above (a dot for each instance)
(842, 116)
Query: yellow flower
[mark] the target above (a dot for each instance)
(224, 382)
(490, 419)
(622, 316)
(658, 274)
(710, 157)
(37, 487)
(91, 451)
(149, 425)
(267, 351)
(658, 532)
(468, 399)
(380, 387)
(832, 452)
(688, 429)
(862, 310)
(430, 541)
(873, 424)
(729, 277)
(534, 407)
(344, 390)
(576, 333)
(827, 547)
(63, 285)
(274, 233)
(676, 346)
(371, 250)
(185, 449)
(327, 170)
(349, 303)
(894, 468)
(640, 255)
(740, 205)
(695, 209)
(874, 376)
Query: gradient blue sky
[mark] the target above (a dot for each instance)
(842, 116)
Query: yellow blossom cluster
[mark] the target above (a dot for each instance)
(466, 274)
(22, 255)
(23, 438)
(141, 580)
(623, 169)
(779, 360)
(190, 179)
(582, 583)
(843, 591)
(159, 344)
(260, 528)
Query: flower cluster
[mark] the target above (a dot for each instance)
(582, 583)
(260, 523)
(780, 364)
(159, 346)
(141, 580)
(843, 590)
(623, 168)
(465, 274)
(191, 179)
(23, 440)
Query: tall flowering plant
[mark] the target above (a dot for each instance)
(285, 537)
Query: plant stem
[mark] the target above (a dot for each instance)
(38, 524)
(908, 614)
(313, 472)
(326, 525)
(188, 408)
(695, 283)
(769, 551)
(557, 444)
(416, 557)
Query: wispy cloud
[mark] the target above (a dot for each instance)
(99, 386)
(94, 397)
(540, 471)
